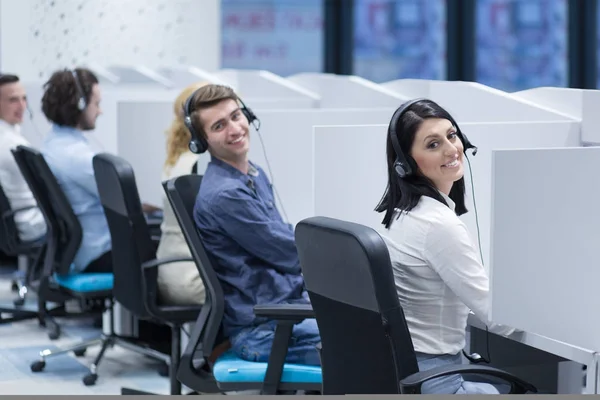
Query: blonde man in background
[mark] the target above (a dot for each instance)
(178, 283)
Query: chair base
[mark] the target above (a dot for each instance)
(18, 314)
(105, 341)
(133, 392)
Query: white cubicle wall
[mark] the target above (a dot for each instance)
(286, 134)
(342, 91)
(288, 140)
(184, 75)
(139, 74)
(104, 75)
(545, 235)
(107, 131)
(262, 86)
(582, 104)
(474, 102)
(350, 185)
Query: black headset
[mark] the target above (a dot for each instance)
(198, 143)
(81, 103)
(405, 166)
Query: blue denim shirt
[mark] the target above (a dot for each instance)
(254, 249)
(69, 156)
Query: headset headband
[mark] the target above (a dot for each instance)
(81, 103)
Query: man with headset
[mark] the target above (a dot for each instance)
(71, 102)
(30, 222)
(235, 212)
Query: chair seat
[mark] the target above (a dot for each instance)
(86, 283)
(231, 368)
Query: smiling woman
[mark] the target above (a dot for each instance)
(438, 276)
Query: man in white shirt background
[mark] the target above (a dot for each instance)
(13, 105)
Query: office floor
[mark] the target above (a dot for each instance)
(21, 342)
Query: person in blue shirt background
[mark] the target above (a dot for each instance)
(71, 102)
(254, 249)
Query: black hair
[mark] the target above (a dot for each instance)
(404, 193)
(8, 78)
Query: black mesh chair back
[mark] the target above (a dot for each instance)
(366, 345)
(182, 192)
(131, 241)
(9, 234)
(64, 230)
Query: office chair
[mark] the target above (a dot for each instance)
(12, 245)
(56, 284)
(366, 346)
(207, 365)
(134, 259)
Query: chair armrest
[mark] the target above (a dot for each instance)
(412, 384)
(160, 261)
(284, 311)
(150, 284)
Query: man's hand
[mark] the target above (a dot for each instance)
(149, 208)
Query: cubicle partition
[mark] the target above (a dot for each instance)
(286, 134)
(545, 236)
(350, 187)
(341, 91)
(263, 86)
(184, 75)
(139, 74)
(107, 133)
(288, 140)
(474, 102)
(581, 104)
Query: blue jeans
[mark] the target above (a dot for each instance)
(453, 384)
(254, 343)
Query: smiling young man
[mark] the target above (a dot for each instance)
(30, 222)
(254, 249)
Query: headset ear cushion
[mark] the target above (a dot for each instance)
(400, 169)
(250, 116)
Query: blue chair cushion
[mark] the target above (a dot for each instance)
(231, 368)
(86, 283)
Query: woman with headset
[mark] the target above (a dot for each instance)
(437, 272)
(178, 283)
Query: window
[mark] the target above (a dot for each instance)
(281, 36)
(396, 39)
(521, 44)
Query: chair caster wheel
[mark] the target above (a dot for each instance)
(18, 302)
(90, 379)
(163, 369)
(79, 353)
(53, 331)
(38, 366)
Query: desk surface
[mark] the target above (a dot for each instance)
(561, 349)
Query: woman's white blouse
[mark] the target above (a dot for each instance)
(438, 276)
